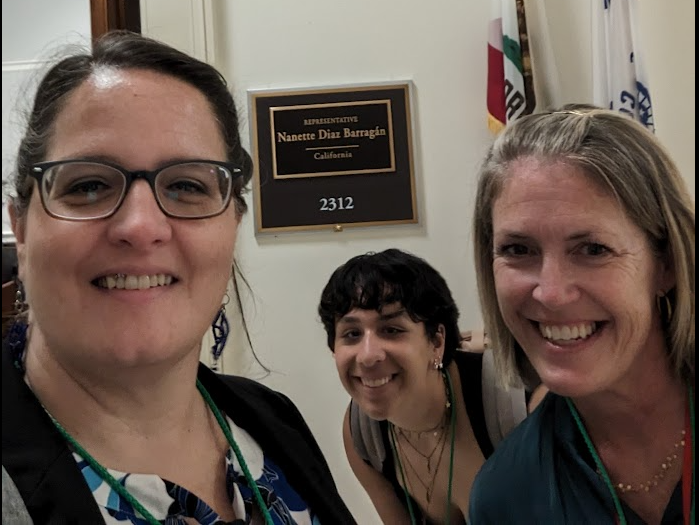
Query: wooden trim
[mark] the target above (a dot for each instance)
(98, 18)
(106, 15)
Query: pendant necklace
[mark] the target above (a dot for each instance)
(430, 455)
(429, 486)
(396, 457)
(688, 471)
(137, 506)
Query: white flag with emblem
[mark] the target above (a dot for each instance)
(620, 81)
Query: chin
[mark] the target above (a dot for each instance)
(569, 387)
(372, 410)
(144, 352)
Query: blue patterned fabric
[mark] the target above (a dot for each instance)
(171, 504)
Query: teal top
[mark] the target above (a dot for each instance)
(543, 472)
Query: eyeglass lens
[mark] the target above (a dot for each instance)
(83, 190)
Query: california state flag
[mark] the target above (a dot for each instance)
(510, 81)
(620, 81)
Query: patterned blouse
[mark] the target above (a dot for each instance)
(172, 504)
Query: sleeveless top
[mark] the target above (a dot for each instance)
(484, 402)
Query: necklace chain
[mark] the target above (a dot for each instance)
(438, 430)
(396, 456)
(121, 489)
(427, 457)
(603, 471)
(441, 425)
(428, 486)
(659, 475)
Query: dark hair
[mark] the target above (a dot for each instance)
(375, 280)
(124, 50)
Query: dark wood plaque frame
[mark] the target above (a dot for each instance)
(330, 158)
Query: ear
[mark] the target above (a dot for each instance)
(666, 273)
(439, 341)
(18, 224)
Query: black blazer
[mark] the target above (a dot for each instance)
(54, 490)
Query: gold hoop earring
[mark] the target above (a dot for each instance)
(664, 307)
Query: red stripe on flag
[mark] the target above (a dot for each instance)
(496, 85)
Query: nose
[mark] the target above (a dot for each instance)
(139, 222)
(556, 283)
(371, 350)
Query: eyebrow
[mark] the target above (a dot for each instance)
(513, 235)
(382, 317)
(105, 159)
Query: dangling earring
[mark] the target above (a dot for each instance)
(664, 307)
(220, 329)
(16, 335)
(438, 365)
(20, 304)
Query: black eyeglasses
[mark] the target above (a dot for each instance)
(82, 190)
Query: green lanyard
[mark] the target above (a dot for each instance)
(621, 518)
(447, 519)
(121, 490)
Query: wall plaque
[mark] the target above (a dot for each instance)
(331, 158)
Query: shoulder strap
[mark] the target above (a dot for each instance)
(13, 508)
(504, 407)
(366, 436)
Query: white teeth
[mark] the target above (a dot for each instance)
(568, 332)
(133, 282)
(374, 383)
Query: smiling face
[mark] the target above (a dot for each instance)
(576, 280)
(385, 360)
(140, 120)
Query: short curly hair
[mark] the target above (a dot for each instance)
(374, 280)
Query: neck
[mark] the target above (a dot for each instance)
(428, 412)
(638, 413)
(121, 410)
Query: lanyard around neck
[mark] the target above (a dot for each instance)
(396, 457)
(688, 473)
(137, 506)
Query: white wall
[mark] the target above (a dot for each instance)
(440, 46)
(32, 32)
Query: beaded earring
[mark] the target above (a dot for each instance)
(220, 329)
(20, 302)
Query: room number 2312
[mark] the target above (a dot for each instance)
(336, 203)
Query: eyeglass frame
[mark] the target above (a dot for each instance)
(39, 169)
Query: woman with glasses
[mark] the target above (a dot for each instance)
(129, 192)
